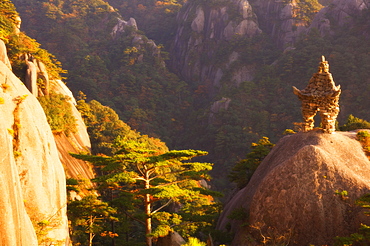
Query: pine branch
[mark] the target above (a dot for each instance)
(166, 204)
(170, 183)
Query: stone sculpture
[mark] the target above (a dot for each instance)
(321, 94)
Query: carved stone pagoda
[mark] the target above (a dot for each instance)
(321, 94)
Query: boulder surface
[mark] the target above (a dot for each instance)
(294, 194)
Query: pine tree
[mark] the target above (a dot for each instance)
(242, 172)
(143, 184)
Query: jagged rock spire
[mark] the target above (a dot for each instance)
(321, 94)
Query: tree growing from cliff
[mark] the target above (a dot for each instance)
(242, 172)
(58, 113)
(144, 184)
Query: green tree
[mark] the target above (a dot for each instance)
(87, 217)
(354, 123)
(8, 19)
(194, 242)
(157, 181)
(104, 126)
(362, 237)
(58, 112)
(242, 172)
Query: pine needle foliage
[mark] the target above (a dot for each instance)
(354, 123)
(145, 185)
(362, 237)
(242, 172)
(58, 112)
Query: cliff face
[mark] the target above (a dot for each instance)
(280, 20)
(76, 142)
(338, 14)
(205, 29)
(202, 30)
(34, 173)
(16, 226)
(292, 193)
(207, 47)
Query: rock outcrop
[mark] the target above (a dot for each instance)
(33, 176)
(76, 142)
(338, 14)
(121, 25)
(36, 70)
(280, 20)
(292, 194)
(202, 29)
(172, 239)
(138, 40)
(31, 75)
(4, 55)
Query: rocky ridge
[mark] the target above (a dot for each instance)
(280, 20)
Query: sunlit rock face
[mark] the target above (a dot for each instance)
(15, 224)
(3, 55)
(76, 142)
(39, 189)
(292, 194)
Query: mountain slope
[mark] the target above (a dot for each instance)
(238, 60)
(123, 70)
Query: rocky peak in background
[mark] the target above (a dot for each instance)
(339, 14)
(292, 194)
(208, 46)
(139, 41)
(282, 20)
(205, 28)
(121, 25)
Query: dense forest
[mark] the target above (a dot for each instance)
(138, 107)
(128, 76)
